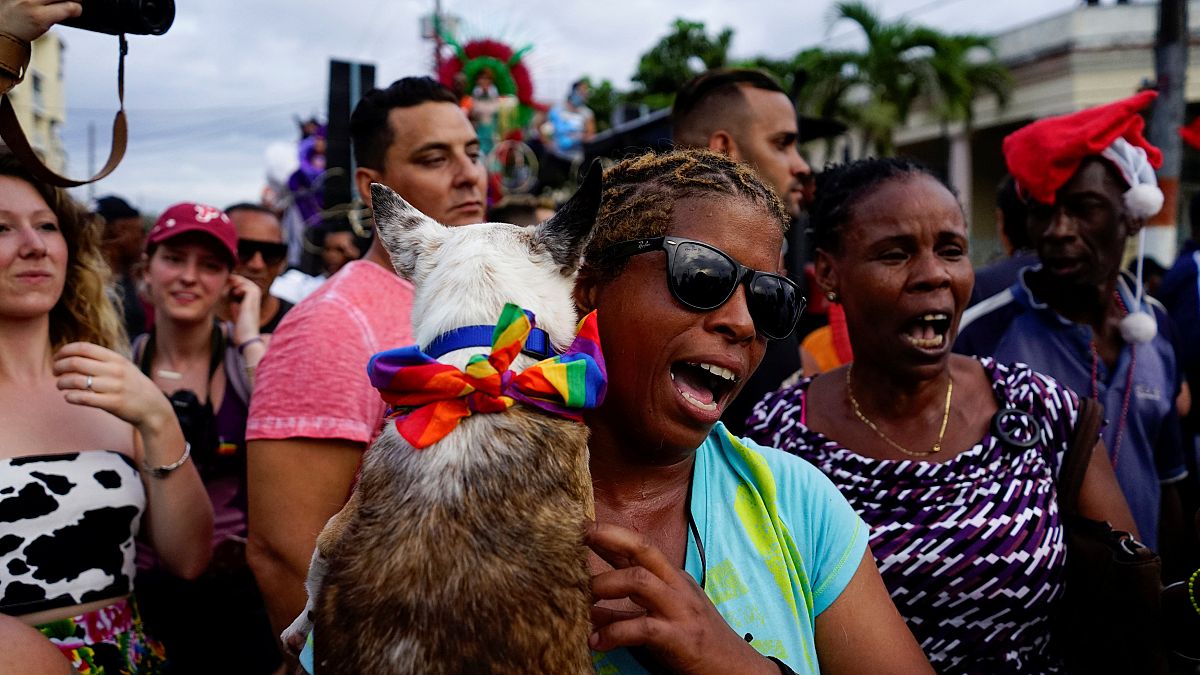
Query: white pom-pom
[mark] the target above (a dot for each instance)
(1138, 328)
(1144, 200)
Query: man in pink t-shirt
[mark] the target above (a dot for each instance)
(314, 412)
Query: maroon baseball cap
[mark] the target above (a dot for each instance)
(189, 217)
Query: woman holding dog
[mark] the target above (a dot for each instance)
(90, 451)
(712, 553)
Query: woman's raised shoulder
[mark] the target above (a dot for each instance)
(789, 473)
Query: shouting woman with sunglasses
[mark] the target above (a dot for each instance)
(951, 460)
(205, 367)
(90, 453)
(713, 554)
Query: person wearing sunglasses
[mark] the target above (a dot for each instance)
(951, 460)
(712, 554)
(262, 255)
(746, 115)
(205, 367)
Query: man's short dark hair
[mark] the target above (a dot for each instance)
(1013, 215)
(113, 207)
(247, 206)
(702, 99)
(370, 132)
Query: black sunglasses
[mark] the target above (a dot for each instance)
(272, 253)
(703, 277)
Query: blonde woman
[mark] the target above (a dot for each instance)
(90, 451)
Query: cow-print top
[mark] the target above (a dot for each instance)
(67, 524)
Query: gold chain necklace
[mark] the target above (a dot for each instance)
(937, 447)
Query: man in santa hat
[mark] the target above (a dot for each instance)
(1088, 182)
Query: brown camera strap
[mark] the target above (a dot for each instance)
(14, 137)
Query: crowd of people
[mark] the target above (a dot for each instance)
(180, 423)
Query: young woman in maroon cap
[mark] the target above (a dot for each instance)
(205, 367)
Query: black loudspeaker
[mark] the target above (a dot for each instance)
(347, 84)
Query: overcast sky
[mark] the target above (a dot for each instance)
(207, 100)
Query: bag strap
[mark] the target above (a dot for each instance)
(14, 137)
(14, 59)
(143, 350)
(1088, 421)
(139, 353)
(235, 369)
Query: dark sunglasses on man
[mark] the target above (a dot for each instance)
(272, 253)
(703, 277)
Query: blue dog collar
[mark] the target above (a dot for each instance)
(537, 345)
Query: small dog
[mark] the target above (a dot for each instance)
(467, 556)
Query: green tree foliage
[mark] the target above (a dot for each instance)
(875, 89)
(685, 52)
(961, 68)
(603, 101)
(872, 89)
(678, 56)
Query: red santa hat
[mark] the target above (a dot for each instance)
(1191, 133)
(1043, 156)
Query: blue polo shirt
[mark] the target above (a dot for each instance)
(1015, 327)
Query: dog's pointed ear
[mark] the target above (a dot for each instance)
(567, 231)
(405, 232)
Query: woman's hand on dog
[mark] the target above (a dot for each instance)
(680, 626)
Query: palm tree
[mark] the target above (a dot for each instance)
(961, 68)
(876, 88)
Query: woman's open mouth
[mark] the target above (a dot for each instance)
(705, 386)
(929, 331)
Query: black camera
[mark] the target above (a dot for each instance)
(136, 17)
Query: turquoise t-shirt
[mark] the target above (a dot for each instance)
(780, 542)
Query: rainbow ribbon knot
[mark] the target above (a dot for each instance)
(428, 398)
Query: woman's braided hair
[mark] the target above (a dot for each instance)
(841, 186)
(640, 195)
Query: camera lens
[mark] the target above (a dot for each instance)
(136, 17)
(157, 15)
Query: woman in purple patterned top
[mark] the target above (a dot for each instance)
(963, 515)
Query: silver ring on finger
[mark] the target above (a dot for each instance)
(88, 383)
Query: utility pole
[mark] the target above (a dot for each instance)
(437, 37)
(1170, 68)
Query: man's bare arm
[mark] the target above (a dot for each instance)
(294, 486)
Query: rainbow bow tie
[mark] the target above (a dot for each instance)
(429, 398)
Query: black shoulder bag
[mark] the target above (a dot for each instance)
(1109, 619)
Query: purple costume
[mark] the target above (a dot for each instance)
(972, 549)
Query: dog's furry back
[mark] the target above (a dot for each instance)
(468, 556)
(491, 610)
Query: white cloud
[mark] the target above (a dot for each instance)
(207, 99)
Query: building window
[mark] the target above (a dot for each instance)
(39, 102)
